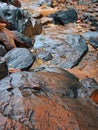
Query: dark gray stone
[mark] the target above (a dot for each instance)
(67, 50)
(3, 68)
(16, 18)
(3, 51)
(90, 84)
(68, 16)
(94, 42)
(45, 56)
(19, 58)
(92, 37)
(22, 40)
(94, 1)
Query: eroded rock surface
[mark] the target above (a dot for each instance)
(64, 17)
(45, 101)
(66, 49)
(20, 58)
(16, 18)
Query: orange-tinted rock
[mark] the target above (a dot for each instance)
(94, 96)
(59, 104)
(46, 10)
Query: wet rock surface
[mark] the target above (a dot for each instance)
(46, 97)
(20, 58)
(39, 100)
(67, 50)
(65, 17)
(16, 18)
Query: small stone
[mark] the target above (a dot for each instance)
(3, 68)
(3, 51)
(45, 56)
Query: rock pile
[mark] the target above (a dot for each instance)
(36, 90)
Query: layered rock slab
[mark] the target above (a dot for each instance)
(66, 49)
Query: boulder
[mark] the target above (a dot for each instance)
(36, 27)
(45, 100)
(64, 17)
(66, 49)
(19, 58)
(16, 18)
(21, 40)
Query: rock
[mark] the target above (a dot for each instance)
(94, 96)
(89, 18)
(45, 20)
(46, 10)
(16, 3)
(94, 1)
(3, 68)
(67, 50)
(45, 56)
(19, 58)
(2, 26)
(45, 100)
(90, 84)
(3, 51)
(13, 2)
(36, 14)
(11, 39)
(47, 2)
(64, 17)
(94, 42)
(92, 37)
(36, 27)
(16, 18)
(22, 40)
(89, 34)
(6, 39)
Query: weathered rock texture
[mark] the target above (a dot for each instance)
(20, 58)
(16, 18)
(45, 101)
(64, 17)
(66, 49)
